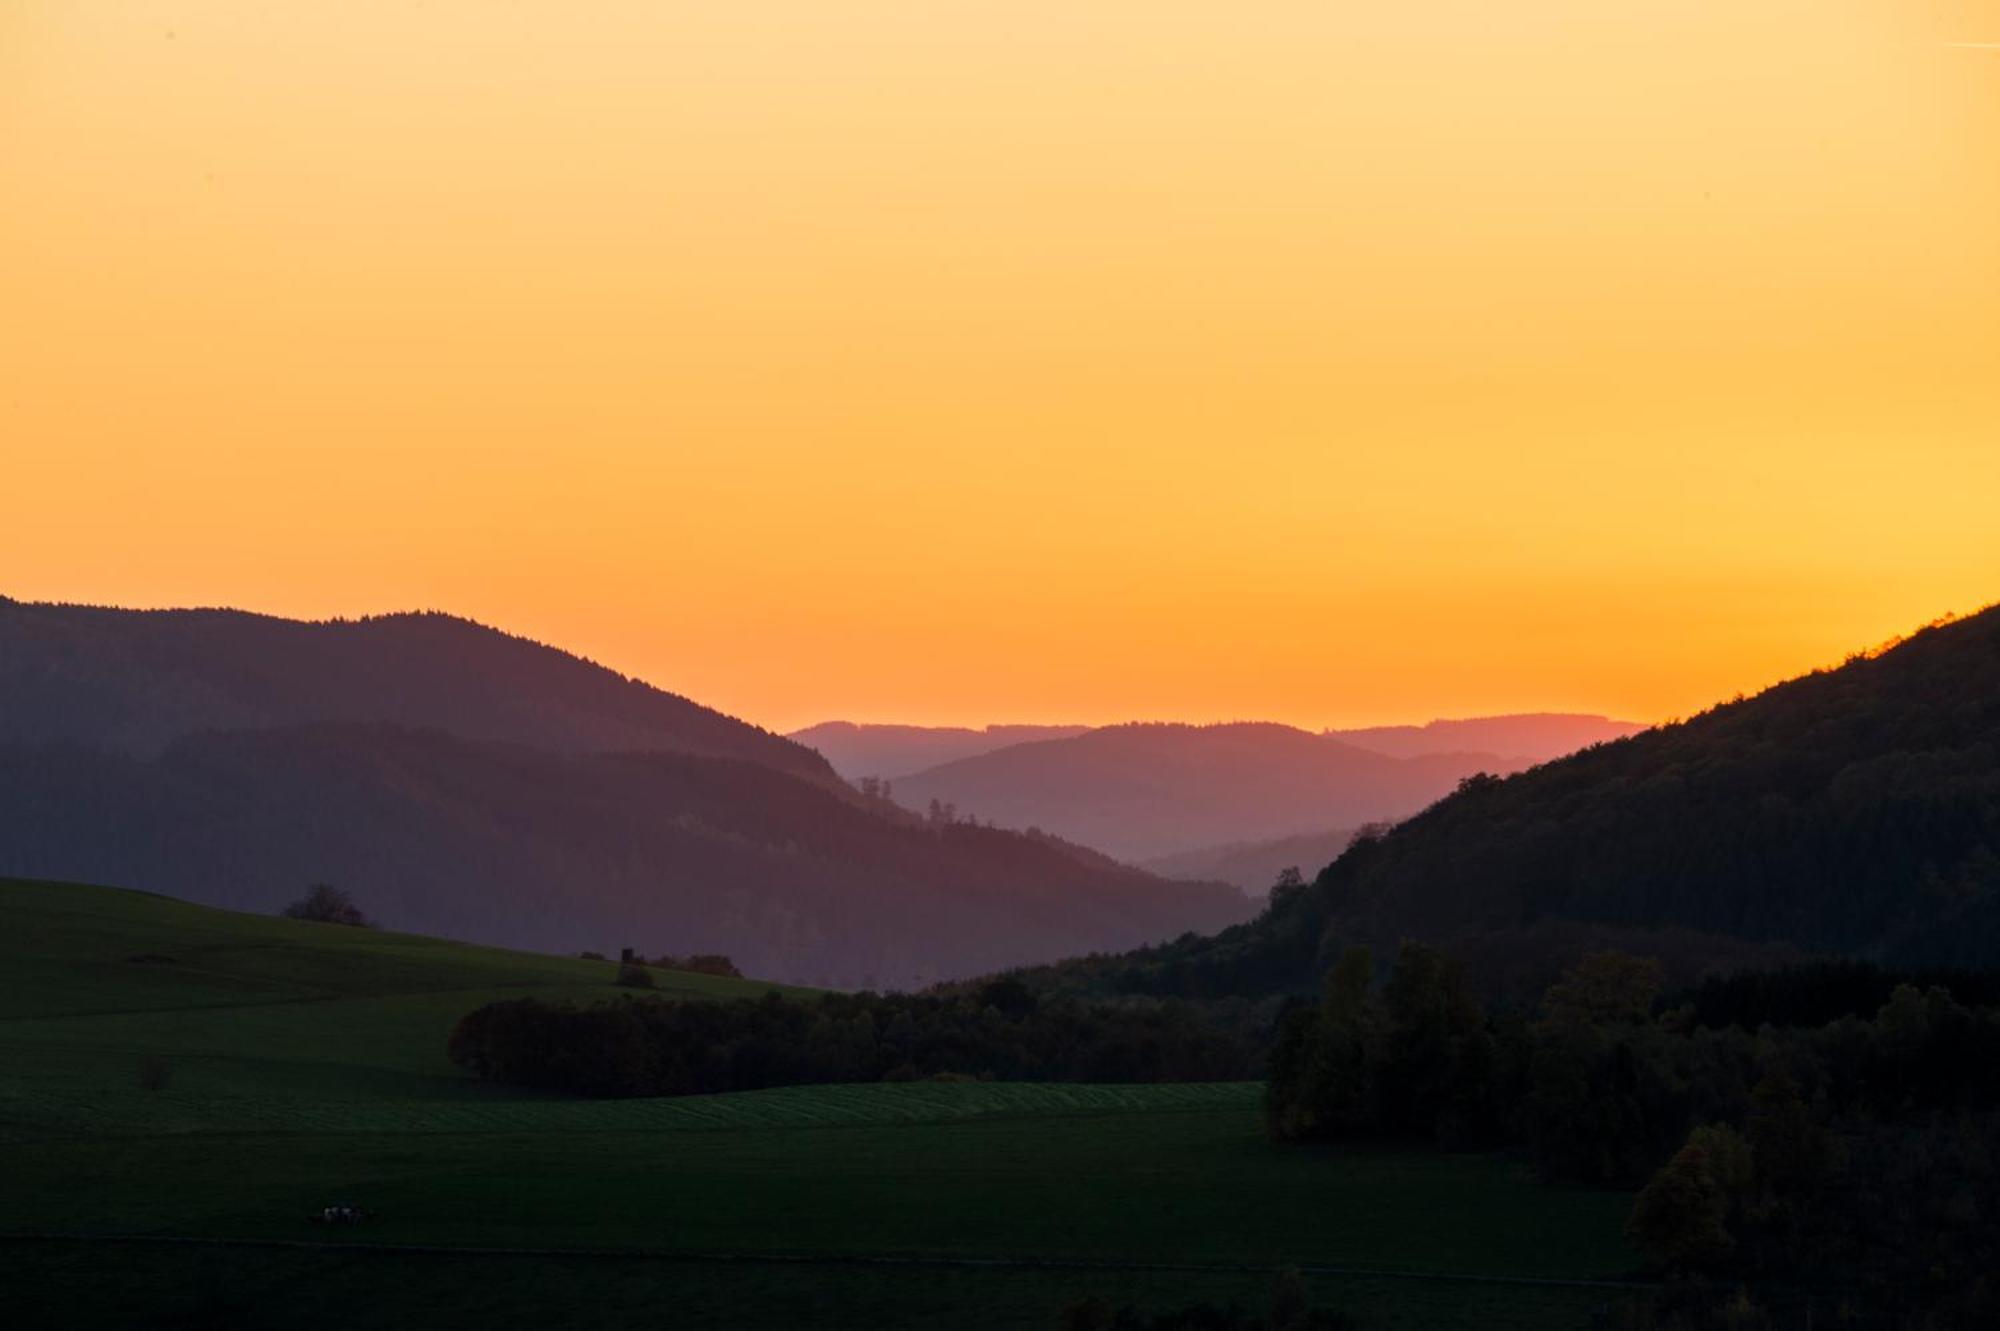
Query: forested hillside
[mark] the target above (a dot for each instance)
(1853, 811)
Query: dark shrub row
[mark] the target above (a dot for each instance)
(639, 1046)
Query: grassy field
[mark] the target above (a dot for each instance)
(305, 1065)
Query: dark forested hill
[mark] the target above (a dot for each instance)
(135, 680)
(1143, 791)
(521, 847)
(1851, 811)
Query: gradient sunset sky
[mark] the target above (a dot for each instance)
(1038, 360)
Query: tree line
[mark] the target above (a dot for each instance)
(641, 1046)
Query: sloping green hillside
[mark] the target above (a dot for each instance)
(70, 948)
(95, 982)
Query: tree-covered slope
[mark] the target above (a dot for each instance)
(1854, 810)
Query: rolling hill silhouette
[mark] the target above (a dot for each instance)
(549, 804)
(135, 680)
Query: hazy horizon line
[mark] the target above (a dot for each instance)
(983, 727)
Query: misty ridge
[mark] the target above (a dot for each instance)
(1204, 803)
(1146, 791)
(886, 751)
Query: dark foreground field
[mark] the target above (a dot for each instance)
(304, 1065)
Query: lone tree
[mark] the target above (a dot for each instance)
(1679, 1216)
(327, 904)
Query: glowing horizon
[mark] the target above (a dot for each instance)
(967, 364)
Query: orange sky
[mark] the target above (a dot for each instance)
(949, 361)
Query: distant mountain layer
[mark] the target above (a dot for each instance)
(1143, 791)
(1254, 865)
(1524, 740)
(858, 750)
(1850, 811)
(135, 680)
(461, 782)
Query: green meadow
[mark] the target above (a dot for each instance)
(180, 1087)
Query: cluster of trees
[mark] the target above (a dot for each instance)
(1855, 1157)
(701, 963)
(633, 966)
(1000, 1030)
(326, 904)
(939, 813)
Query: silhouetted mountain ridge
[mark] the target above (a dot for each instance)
(135, 680)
